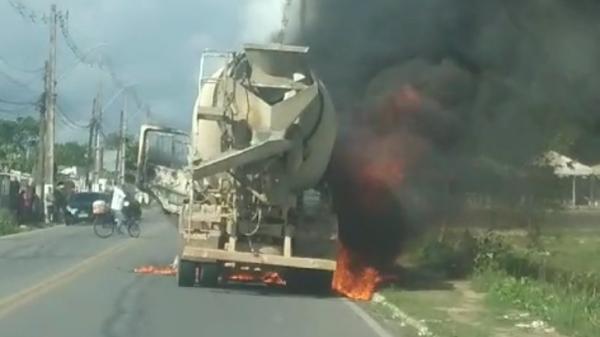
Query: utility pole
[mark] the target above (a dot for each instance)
(118, 159)
(123, 143)
(90, 149)
(50, 119)
(41, 150)
(98, 142)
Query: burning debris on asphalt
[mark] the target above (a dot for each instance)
(156, 270)
(266, 278)
(353, 278)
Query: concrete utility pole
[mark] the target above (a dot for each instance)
(98, 142)
(50, 119)
(90, 149)
(41, 151)
(118, 159)
(122, 143)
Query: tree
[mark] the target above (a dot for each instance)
(112, 141)
(131, 159)
(18, 139)
(71, 154)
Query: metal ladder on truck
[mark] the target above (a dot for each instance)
(209, 54)
(204, 77)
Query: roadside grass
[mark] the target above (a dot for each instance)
(8, 223)
(572, 312)
(556, 281)
(568, 248)
(458, 311)
(437, 309)
(551, 276)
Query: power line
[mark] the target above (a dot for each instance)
(103, 63)
(17, 82)
(14, 111)
(32, 71)
(29, 14)
(64, 122)
(6, 101)
(69, 120)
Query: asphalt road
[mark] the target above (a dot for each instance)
(65, 282)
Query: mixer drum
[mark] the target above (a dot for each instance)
(268, 99)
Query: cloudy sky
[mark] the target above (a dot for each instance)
(154, 45)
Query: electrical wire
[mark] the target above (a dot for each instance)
(17, 82)
(29, 14)
(64, 122)
(31, 71)
(6, 101)
(103, 63)
(69, 120)
(14, 111)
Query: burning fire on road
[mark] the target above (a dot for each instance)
(375, 166)
(353, 278)
(156, 270)
(266, 278)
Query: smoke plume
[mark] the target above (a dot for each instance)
(260, 19)
(438, 98)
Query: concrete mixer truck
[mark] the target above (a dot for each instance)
(251, 198)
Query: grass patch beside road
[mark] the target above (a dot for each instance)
(572, 311)
(445, 312)
(510, 283)
(554, 280)
(8, 223)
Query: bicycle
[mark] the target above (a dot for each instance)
(104, 224)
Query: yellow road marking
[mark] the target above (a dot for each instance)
(12, 302)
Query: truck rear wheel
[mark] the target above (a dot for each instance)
(309, 281)
(209, 274)
(186, 273)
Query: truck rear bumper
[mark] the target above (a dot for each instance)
(200, 254)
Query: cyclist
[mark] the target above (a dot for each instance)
(116, 206)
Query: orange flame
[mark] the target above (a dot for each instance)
(154, 270)
(242, 277)
(354, 279)
(268, 278)
(273, 278)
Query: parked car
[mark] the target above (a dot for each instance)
(79, 206)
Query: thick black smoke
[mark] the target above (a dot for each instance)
(498, 81)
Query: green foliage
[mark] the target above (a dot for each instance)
(8, 223)
(71, 154)
(569, 300)
(573, 312)
(112, 141)
(18, 141)
(452, 257)
(131, 154)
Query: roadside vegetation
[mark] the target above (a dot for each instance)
(517, 282)
(8, 223)
(557, 280)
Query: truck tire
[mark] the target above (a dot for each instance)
(186, 273)
(209, 274)
(306, 281)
